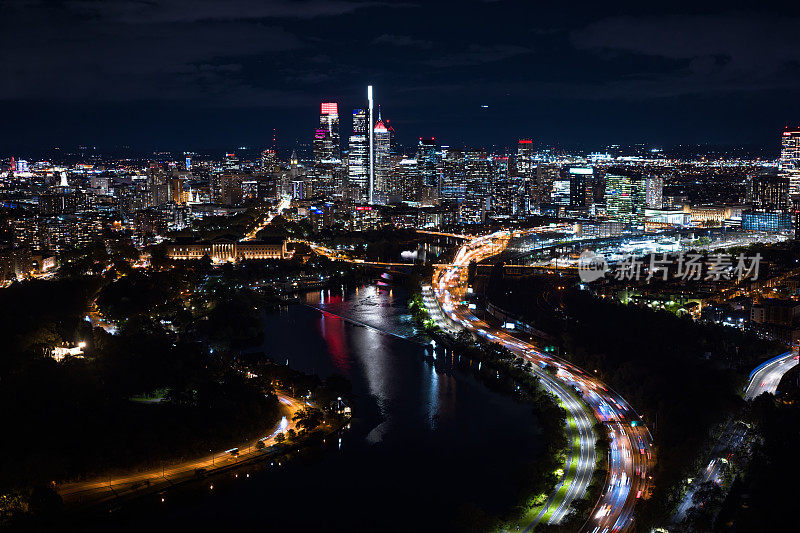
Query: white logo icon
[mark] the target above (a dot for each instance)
(591, 266)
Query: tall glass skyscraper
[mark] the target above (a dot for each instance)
(625, 196)
(429, 171)
(525, 165)
(526, 171)
(358, 156)
(454, 177)
(383, 150)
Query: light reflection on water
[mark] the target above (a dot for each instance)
(424, 438)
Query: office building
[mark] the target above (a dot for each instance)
(655, 190)
(428, 166)
(454, 179)
(789, 165)
(581, 187)
(525, 159)
(358, 155)
(625, 196)
(766, 222)
(383, 151)
(769, 193)
(326, 136)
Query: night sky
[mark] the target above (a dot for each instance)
(184, 74)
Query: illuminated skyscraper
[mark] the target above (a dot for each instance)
(371, 147)
(358, 156)
(478, 174)
(383, 150)
(231, 162)
(525, 165)
(504, 188)
(539, 189)
(326, 136)
(328, 175)
(769, 193)
(581, 182)
(790, 161)
(655, 191)
(409, 181)
(790, 149)
(454, 178)
(534, 194)
(625, 196)
(269, 161)
(429, 171)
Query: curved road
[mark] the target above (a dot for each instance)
(104, 489)
(764, 378)
(630, 454)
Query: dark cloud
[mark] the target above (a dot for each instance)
(159, 11)
(402, 40)
(477, 55)
(639, 69)
(705, 53)
(74, 58)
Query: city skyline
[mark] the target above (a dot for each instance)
(504, 265)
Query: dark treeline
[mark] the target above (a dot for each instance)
(763, 498)
(75, 418)
(682, 376)
(169, 385)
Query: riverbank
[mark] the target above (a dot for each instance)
(422, 429)
(82, 501)
(556, 472)
(84, 494)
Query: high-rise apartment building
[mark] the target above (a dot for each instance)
(159, 186)
(231, 188)
(526, 170)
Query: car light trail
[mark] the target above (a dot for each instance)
(630, 454)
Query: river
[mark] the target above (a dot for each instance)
(429, 447)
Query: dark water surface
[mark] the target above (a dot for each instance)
(428, 445)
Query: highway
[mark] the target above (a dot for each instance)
(764, 378)
(104, 489)
(630, 456)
